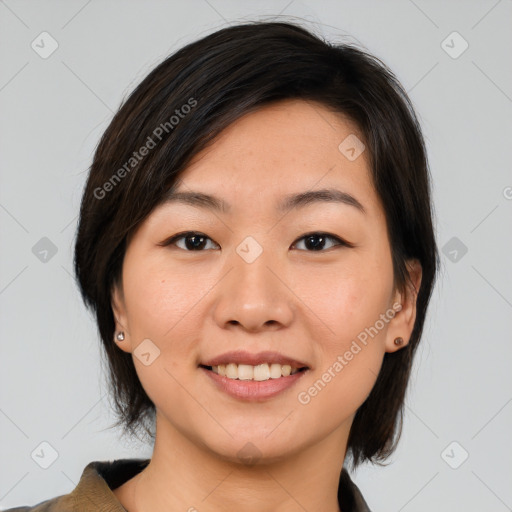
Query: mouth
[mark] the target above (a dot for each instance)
(260, 372)
(253, 377)
(242, 365)
(253, 383)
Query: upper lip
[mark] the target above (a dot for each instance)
(244, 357)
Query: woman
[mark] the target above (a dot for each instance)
(256, 242)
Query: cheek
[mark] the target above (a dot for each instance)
(353, 346)
(338, 391)
(158, 298)
(351, 350)
(160, 304)
(349, 300)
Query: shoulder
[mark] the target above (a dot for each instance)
(94, 490)
(58, 504)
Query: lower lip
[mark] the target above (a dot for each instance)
(253, 390)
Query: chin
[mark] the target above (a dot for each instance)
(254, 446)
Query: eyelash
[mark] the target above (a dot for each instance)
(172, 240)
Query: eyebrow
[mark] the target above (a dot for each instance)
(289, 202)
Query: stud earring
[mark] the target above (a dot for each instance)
(120, 336)
(399, 341)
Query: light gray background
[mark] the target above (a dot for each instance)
(53, 111)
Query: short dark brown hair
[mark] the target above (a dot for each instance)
(181, 106)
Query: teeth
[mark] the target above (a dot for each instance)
(260, 372)
(245, 372)
(275, 371)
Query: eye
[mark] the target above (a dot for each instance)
(195, 241)
(316, 241)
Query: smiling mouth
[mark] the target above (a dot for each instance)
(260, 372)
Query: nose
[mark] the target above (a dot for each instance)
(254, 295)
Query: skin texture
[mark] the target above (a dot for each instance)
(304, 303)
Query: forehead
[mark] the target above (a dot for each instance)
(287, 147)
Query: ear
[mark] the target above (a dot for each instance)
(404, 304)
(121, 324)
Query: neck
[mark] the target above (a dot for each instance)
(185, 476)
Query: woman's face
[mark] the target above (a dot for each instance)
(310, 284)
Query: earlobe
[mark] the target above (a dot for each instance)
(402, 325)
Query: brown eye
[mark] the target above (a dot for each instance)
(317, 241)
(313, 242)
(193, 241)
